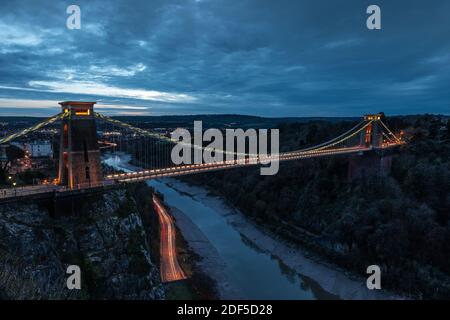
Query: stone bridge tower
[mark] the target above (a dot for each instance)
(372, 136)
(376, 162)
(79, 155)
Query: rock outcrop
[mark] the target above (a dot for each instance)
(107, 240)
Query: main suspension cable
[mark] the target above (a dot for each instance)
(32, 129)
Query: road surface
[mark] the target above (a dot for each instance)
(170, 269)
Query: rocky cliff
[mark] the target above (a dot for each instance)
(106, 239)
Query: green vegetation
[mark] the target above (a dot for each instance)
(399, 222)
(127, 206)
(12, 154)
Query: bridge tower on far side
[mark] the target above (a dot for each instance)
(79, 154)
(372, 136)
(376, 162)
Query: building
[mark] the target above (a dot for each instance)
(39, 149)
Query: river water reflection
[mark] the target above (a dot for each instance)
(255, 273)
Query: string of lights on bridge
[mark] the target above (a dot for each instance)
(152, 149)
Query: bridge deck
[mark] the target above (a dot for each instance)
(200, 168)
(115, 180)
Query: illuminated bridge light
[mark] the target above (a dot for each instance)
(329, 148)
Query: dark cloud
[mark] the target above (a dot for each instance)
(264, 57)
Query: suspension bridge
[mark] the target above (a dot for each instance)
(80, 168)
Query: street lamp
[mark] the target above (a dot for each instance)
(15, 190)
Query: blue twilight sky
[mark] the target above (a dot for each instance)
(259, 57)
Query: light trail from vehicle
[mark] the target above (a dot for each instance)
(170, 268)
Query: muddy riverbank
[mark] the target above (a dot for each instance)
(326, 281)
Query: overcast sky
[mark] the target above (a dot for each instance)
(259, 57)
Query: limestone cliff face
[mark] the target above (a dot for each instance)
(107, 240)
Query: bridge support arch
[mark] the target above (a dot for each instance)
(79, 155)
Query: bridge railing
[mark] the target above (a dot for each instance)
(342, 144)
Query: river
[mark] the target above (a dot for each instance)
(254, 272)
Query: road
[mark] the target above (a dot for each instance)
(131, 177)
(27, 190)
(229, 164)
(170, 269)
(24, 191)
